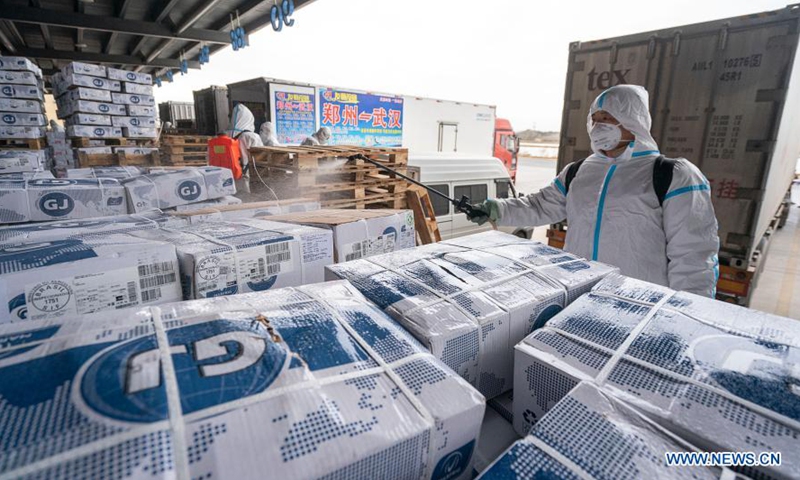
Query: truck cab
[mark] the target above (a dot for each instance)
(506, 145)
(477, 177)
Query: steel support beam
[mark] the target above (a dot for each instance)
(44, 17)
(123, 10)
(100, 58)
(15, 35)
(159, 18)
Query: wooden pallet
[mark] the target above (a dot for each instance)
(117, 159)
(26, 143)
(84, 142)
(184, 148)
(424, 217)
(185, 140)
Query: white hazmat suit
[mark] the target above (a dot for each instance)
(614, 214)
(244, 130)
(320, 137)
(267, 134)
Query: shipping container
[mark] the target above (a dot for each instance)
(723, 94)
(174, 111)
(211, 110)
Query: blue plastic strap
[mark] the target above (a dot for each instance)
(600, 206)
(645, 153)
(560, 186)
(682, 190)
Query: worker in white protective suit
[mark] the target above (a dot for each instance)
(267, 134)
(320, 137)
(627, 205)
(243, 129)
(55, 126)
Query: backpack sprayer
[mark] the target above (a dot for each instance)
(462, 205)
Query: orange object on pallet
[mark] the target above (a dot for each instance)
(223, 151)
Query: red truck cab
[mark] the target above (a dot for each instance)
(506, 145)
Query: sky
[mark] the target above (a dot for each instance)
(512, 54)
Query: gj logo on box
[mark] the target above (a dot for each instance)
(134, 99)
(103, 108)
(99, 132)
(131, 76)
(97, 82)
(8, 91)
(56, 204)
(218, 362)
(189, 190)
(135, 122)
(10, 119)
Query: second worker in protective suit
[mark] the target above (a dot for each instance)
(243, 129)
(626, 204)
(320, 137)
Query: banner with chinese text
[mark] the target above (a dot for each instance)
(294, 113)
(361, 118)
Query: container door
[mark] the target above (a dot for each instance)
(448, 137)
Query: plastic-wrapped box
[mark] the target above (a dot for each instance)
(22, 119)
(18, 78)
(21, 132)
(83, 69)
(84, 106)
(128, 76)
(224, 258)
(141, 111)
(590, 434)
(83, 93)
(470, 300)
(26, 176)
(60, 199)
(95, 150)
(19, 160)
(88, 119)
(303, 383)
(171, 188)
(248, 210)
(133, 99)
(217, 202)
(21, 92)
(360, 233)
(118, 173)
(137, 88)
(721, 376)
(135, 150)
(20, 106)
(20, 64)
(69, 81)
(88, 131)
(138, 122)
(69, 278)
(140, 132)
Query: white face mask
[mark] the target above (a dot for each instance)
(605, 136)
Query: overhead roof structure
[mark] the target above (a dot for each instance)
(143, 35)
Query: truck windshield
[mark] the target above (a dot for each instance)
(511, 143)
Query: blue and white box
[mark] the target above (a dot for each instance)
(20, 64)
(20, 106)
(70, 81)
(128, 76)
(116, 172)
(89, 131)
(591, 434)
(83, 93)
(298, 383)
(26, 176)
(217, 202)
(262, 210)
(137, 88)
(141, 111)
(135, 150)
(69, 278)
(95, 150)
(83, 69)
(136, 122)
(88, 119)
(7, 132)
(721, 376)
(22, 119)
(19, 160)
(85, 106)
(18, 78)
(171, 188)
(133, 99)
(225, 258)
(21, 92)
(140, 132)
(470, 300)
(60, 199)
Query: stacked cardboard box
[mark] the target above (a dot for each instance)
(309, 382)
(22, 118)
(171, 188)
(723, 377)
(41, 200)
(470, 300)
(247, 210)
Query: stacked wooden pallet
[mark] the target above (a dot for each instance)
(184, 150)
(24, 143)
(117, 158)
(326, 174)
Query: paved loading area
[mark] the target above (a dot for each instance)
(778, 289)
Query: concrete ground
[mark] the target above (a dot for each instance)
(778, 288)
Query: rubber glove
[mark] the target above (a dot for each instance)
(485, 211)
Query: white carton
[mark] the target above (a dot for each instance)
(93, 132)
(19, 160)
(67, 279)
(298, 383)
(217, 202)
(18, 78)
(248, 210)
(471, 304)
(21, 92)
(140, 132)
(178, 187)
(133, 99)
(139, 122)
(20, 106)
(118, 173)
(88, 119)
(59, 199)
(26, 176)
(83, 69)
(592, 434)
(95, 150)
(75, 80)
(22, 119)
(137, 88)
(19, 64)
(83, 93)
(141, 111)
(128, 76)
(360, 233)
(135, 150)
(721, 376)
(85, 106)
(224, 258)
(65, 229)
(21, 132)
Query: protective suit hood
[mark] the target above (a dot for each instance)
(242, 120)
(629, 105)
(267, 134)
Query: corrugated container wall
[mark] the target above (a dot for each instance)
(174, 111)
(724, 95)
(211, 110)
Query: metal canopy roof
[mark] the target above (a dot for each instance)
(144, 35)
